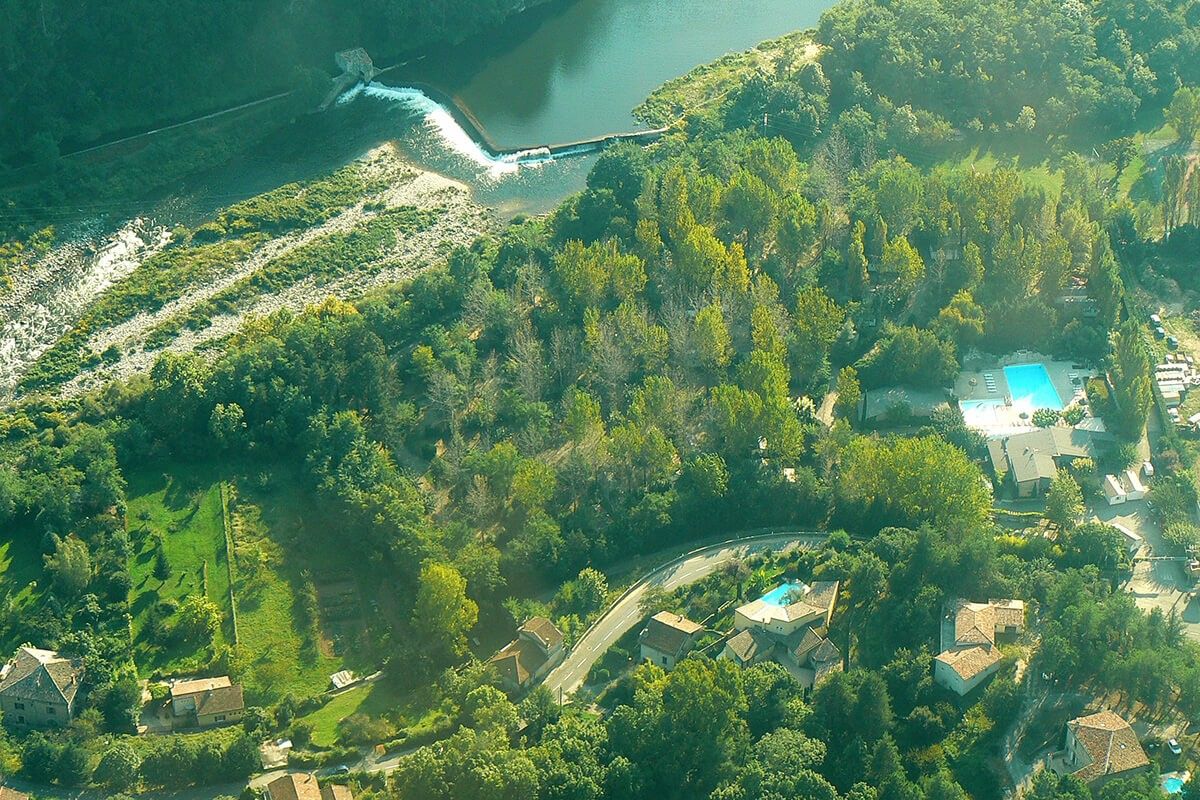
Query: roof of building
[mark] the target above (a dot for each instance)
(336, 791)
(1009, 612)
(748, 645)
(822, 594)
(920, 402)
(184, 688)
(221, 700)
(825, 653)
(1029, 464)
(668, 632)
(517, 660)
(975, 623)
(1110, 743)
(814, 602)
(1113, 487)
(42, 675)
(543, 630)
(1030, 456)
(12, 794)
(294, 786)
(968, 662)
(802, 643)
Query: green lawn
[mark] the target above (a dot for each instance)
(378, 701)
(20, 570)
(283, 552)
(1040, 175)
(183, 506)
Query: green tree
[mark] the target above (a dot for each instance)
(443, 614)
(1132, 395)
(70, 565)
(118, 768)
(714, 347)
(1064, 500)
(909, 481)
(199, 619)
(1183, 113)
(857, 276)
(849, 393)
(902, 260)
(962, 320)
(228, 425)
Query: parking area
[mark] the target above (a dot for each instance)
(1157, 582)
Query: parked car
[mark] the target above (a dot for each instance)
(1173, 746)
(1156, 319)
(1160, 333)
(1172, 342)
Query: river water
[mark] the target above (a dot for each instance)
(563, 72)
(567, 70)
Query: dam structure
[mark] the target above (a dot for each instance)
(457, 124)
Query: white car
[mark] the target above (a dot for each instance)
(1173, 746)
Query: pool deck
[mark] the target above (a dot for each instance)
(985, 381)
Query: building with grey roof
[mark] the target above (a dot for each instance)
(1030, 460)
(38, 688)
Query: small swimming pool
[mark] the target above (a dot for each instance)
(1030, 387)
(1173, 784)
(779, 595)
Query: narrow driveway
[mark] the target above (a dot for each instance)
(626, 611)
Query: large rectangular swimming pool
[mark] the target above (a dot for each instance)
(780, 595)
(1030, 387)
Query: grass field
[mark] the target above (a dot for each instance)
(378, 701)
(286, 567)
(183, 507)
(285, 559)
(20, 570)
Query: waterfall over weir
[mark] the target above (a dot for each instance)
(451, 130)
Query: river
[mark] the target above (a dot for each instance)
(567, 71)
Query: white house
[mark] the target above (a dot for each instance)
(969, 653)
(1114, 491)
(667, 638)
(1134, 488)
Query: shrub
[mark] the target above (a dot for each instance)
(1181, 535)
(1045, 417)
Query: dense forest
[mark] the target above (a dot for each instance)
(646, 367)
(81, 71)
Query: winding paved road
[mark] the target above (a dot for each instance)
(626, 611)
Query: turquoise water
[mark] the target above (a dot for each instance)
(1029, 385)
(779, 595)
(1173, 785)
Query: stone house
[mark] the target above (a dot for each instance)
(302, 786)
(1100, 747)
(969, 653)
(667, 638)
(537, 649)
(206, 702)
(38, 688)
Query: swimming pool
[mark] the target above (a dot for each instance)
(1030, 387)
(779, 595)
(1173, 784)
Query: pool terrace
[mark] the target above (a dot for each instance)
(999, 396)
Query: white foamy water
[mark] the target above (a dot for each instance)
(61, 286)
(439, 118)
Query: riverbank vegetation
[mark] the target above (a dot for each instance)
(677, 352)
(81, 73)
